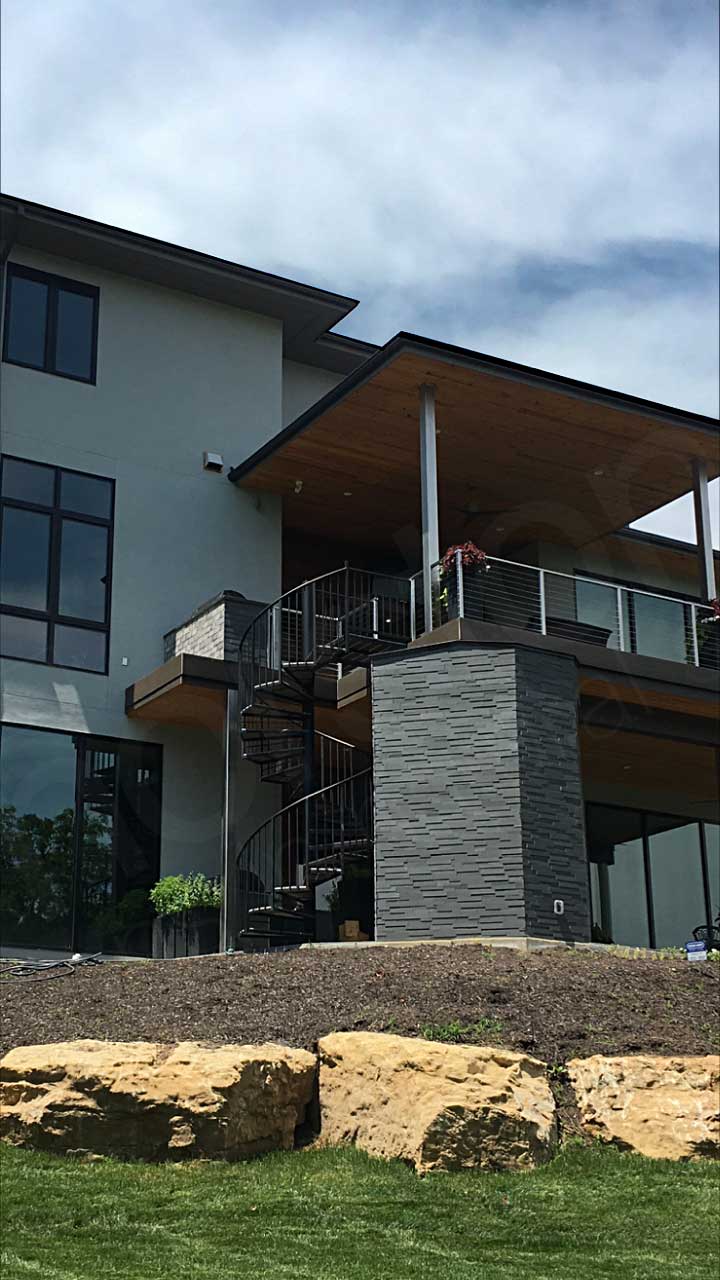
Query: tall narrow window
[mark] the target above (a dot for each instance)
(55, 557)
(51, 323)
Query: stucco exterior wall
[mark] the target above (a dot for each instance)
(303, 384)
(176, 375)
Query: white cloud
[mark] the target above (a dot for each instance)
(399, 149)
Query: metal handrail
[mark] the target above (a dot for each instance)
(309, 582)
(536, 595)
(295, 804)
(600, 582)
(304, 844)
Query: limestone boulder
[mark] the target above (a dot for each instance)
(662, 1107)
(154, 1101)
(436, 1106)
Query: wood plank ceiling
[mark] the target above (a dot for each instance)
(517, 462)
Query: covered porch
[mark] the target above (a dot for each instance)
(428, 445)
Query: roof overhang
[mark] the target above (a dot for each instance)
(523, 455)
(306, 312)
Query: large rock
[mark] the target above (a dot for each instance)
(437, 1106)
(154, 1101)
(662, 1107)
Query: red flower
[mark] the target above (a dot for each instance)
(469, 555)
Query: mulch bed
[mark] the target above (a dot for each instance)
(553, 1004)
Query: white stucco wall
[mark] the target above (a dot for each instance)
(176, 375)
(303, 384)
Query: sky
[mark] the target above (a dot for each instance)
(535, 180)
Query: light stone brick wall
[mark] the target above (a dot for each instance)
(215, 630)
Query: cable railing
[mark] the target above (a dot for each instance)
(575, 607)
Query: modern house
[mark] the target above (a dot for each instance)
(236, 637)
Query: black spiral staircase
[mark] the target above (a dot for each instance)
(290, 658)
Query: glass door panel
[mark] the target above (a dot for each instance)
(659, 627)
(36, 838)
(712, 852)
(617, 878)
(119, 846)
(677, 883)
(597, 607)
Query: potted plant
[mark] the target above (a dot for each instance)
(188, 911)
(474, 562)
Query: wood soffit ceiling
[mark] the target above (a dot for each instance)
(517, 462)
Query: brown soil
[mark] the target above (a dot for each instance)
(554, 1004)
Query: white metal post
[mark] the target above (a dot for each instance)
(543, 603)
(694, 626)
(429, 492)
(703, 532)
(459, 584)
(413, 634)
(620, 619)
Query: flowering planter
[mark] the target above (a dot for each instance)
(188, 933)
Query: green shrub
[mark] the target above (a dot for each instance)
(174, 894)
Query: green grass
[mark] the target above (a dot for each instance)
(337, 1215)
(460, 1032)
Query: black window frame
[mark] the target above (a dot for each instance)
(57, 513)
(54, 284)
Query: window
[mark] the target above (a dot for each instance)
(50, 324)
(55, 563)
(654, 878)
(80, 841)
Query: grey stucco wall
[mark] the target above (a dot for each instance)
(176, 375)
(303, 384)
(478, 803)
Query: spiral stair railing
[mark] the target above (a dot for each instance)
(338, 619)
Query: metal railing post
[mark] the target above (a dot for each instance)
(413, 629)
(620, 619)
(459, 584)
(543, 604)
(375, 618)
(694, 626)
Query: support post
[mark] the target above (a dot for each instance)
(429, 492)
(703, 534)
(232, 753)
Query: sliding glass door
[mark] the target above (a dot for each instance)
(80, 841)
(654, 878)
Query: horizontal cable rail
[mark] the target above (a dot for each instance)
(578, 608)
(307, 843)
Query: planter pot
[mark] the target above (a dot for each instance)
(189, 933)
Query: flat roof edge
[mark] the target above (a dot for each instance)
(164, 248)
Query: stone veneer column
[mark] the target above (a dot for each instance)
(478, 797)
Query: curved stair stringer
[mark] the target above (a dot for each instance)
(307, 843)
(342, 617)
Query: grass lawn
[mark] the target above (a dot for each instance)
(337, 1215)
